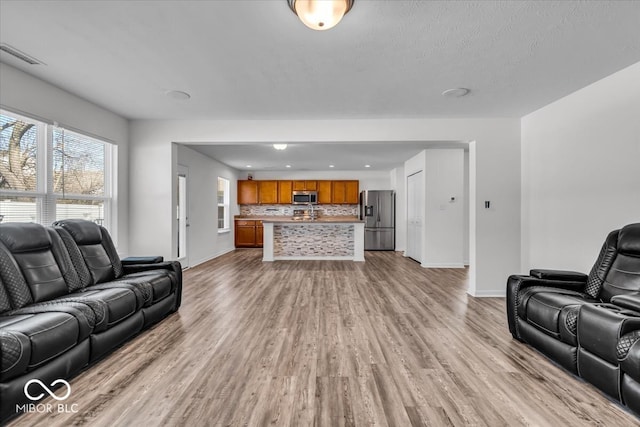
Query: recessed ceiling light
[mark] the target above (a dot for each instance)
(280, 146)
(177, 95)
(367, 166)
(456, 92)
(331, 166)
(288, 166)
(248, 166)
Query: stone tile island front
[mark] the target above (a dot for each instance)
(325, 238)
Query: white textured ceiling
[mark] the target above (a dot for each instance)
(255, 60)
(251, 59)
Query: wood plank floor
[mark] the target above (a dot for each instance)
(301, 343)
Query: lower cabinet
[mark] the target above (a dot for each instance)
(248, 233)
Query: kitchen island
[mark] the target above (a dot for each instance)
(324, 238)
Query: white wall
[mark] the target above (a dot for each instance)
(496, 159)
(443, 227)
(443, 217)
(203, 241)
(27, 95)
(580, 172)
(369, 180)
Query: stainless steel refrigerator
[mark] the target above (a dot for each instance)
(378, 209)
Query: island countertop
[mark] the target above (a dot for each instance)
(319, 220)
(289, 219)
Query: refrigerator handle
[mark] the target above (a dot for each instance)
(378, 208)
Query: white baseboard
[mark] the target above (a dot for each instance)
(203, 260)
(489, 293)
(446, 265)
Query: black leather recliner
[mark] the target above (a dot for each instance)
(590, 325)
(64, 305)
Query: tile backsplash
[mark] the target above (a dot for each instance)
(287, 210)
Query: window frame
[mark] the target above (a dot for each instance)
(224, 205)
(45, 198)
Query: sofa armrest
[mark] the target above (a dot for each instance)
(569, 276)
(630, 301)
(142, 260)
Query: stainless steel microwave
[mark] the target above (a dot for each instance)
(304, 197)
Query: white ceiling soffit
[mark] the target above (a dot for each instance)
(315, 156)
(256, 60)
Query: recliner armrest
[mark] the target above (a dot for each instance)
(562, 275)
(165, 265)
(631, 301)
(141, 260)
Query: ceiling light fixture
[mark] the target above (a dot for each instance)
(177, 95)
(248, 166)
(280, 146)
(331, 166)
(287, 166)
(456, 92)
(320, 14)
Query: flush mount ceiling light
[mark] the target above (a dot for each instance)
(280, 146)
(320, 14)
(177, 95)
(456, 92)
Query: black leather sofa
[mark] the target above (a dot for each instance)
(66, 300)
(588, 324)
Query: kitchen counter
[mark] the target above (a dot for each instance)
(319, 220)
(324, 238)
(286, 219)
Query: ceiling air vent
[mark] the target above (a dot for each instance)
(20, 55)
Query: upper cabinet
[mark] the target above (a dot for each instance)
(272, 192)
(247, 192)
(345, 192)
(305, 185)
(285, 188)
(324, 192)
(267, 192)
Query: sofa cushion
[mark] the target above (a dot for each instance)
(97, 249)
(24, 237)
(629, 240)
(120, 303)
(32, 340)
(160, 282)
(16, 287)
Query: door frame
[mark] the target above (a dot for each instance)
(182, 240)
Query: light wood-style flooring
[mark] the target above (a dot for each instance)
(302, 343)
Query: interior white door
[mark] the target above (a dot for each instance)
(415, 215)
(182, 216)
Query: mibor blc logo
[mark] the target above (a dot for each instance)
(35, 390)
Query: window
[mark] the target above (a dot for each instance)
(49, 173)
(223, 204)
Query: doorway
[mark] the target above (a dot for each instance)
(182, 216)
(415, 215)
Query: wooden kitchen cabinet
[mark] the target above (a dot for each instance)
(352, 192)
(245, 234)
(268, 192)
(324, 192)
(285, 188)
(259, 234)
(247, 192)
(271, 192)
(248, 233)
(305, 185)
(345, 192)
